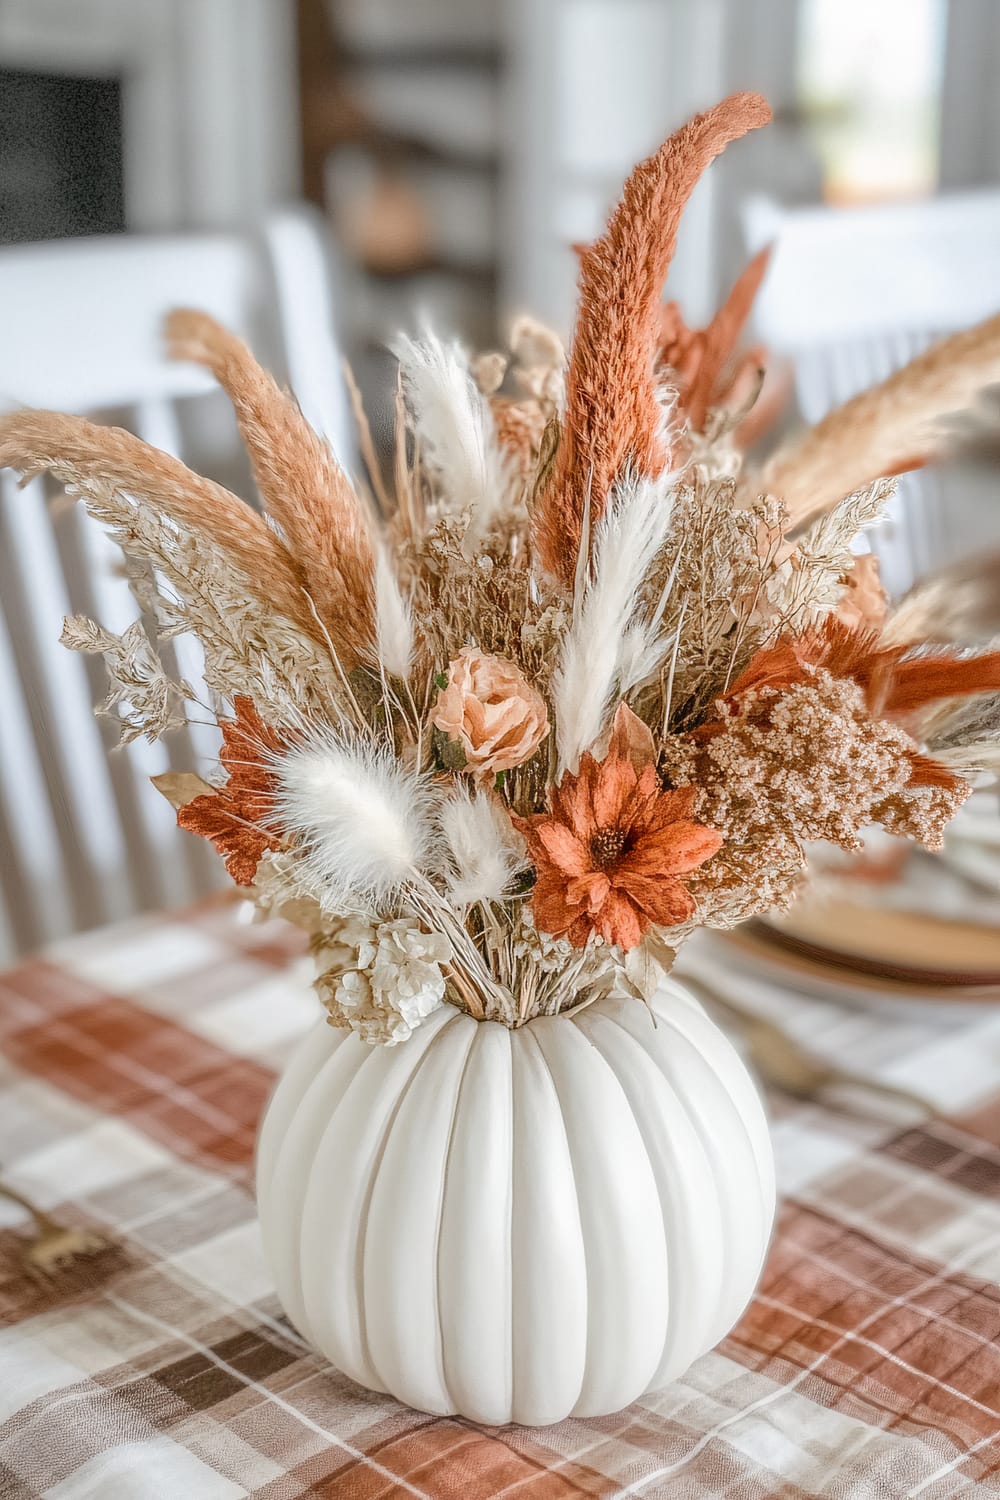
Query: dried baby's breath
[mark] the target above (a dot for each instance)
(248, 648)
(489, 600)
(789, 768)
(143, 699)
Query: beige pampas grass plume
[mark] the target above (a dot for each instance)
(393, 619)
(83, 455)
(303, 487)
(606, 644)
(895, 426)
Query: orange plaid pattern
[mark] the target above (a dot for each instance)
(134, 1065)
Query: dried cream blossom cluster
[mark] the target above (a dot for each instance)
(922, 812)
(381, 978)
(547, 953)
(793, 766)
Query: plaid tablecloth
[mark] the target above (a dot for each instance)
(134, 1064)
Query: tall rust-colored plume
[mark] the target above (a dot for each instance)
(893, 427)
(82, 453)
(613, 418)
(302, 486)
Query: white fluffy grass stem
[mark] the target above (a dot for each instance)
(457, 435)
(483, 849)
(393, 620)
(605, 636)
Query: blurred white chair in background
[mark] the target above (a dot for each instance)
(852, 294)
(85, 838)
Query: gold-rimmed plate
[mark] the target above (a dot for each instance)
(894, 950)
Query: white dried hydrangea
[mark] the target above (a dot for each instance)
(381, 978)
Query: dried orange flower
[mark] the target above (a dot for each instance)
(491, 710)
(610, 851)
(236, 817)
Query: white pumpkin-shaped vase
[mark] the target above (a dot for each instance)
(524, 1225)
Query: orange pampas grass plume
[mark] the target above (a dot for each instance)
(612, 418)
(81, 453)
(302, 486)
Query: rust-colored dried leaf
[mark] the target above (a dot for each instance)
(238, 818)
(894, 683)
(719, 340)
(776, 666)
(922, 680)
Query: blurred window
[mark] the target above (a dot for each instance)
(869, 85)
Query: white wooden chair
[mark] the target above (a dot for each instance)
(852, 294)
(85, 838)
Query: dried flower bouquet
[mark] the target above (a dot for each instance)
(584, 682)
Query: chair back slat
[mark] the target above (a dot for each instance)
(156, 851)
(852, 295)
(85, 837)
(82, 323)
(57, 693)
(37, 901)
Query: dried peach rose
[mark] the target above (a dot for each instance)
(491, 710)
(863, 603)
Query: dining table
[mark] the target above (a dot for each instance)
(144, 1354)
